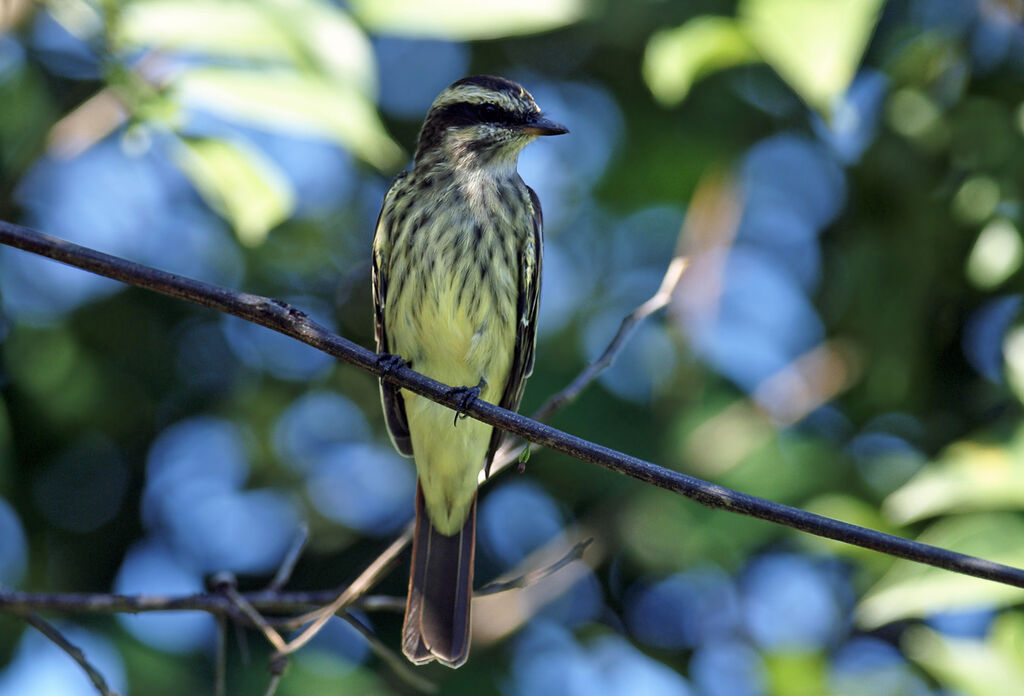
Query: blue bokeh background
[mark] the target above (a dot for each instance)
(830, 343)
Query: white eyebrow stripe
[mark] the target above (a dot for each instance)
(473, 94)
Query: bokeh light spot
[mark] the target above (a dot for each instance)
(14, 549)
(997, 254)
(40, 668)
(976, 199)
(151, 568)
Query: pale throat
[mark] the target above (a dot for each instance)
(473, 164)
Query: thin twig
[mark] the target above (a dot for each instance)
(535, 576)
(76, 654)
(220, 665)
(714, 214)
(284, 571)
(399, 665)
(512, 448)
(380, 603)
(367, 579)
(278, 667)
(213, 603)
(515, 601)
(275, 679)
(629, 324)
(712, 218)
(224, 583)
(290, 321)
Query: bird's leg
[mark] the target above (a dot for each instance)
(389, 362)
(466, 397)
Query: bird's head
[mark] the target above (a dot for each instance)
(482, 121)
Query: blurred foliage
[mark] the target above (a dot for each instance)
(853, 345)
(815, 46)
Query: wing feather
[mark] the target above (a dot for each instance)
(531, 256)
(391, 399)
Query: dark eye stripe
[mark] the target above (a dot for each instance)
(465, 113)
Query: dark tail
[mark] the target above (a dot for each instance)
(440, 589)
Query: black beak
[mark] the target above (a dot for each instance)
(542, 126)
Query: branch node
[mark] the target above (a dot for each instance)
(223, 581)
(278, 664)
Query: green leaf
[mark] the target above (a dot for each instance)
(288, 101)
(814, 45)
(968, 476)
(972, 667)
(676, 58)
(242, 29)
(463, 20)
(796, 673)
(240, 183)
(309, 34)
(913, 590)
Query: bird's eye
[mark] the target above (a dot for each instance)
(489, 111)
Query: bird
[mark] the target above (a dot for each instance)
(456, 275)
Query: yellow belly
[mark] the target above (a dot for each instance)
(458, 340)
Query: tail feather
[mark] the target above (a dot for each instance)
(440, 590)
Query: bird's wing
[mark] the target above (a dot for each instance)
(391, 399)
(531, 256)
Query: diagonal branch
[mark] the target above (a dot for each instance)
(367, 579)
(399, 665)
(290, 321)
(712, 217)
(629, 323)
(534, 576)
(224, 583)
(76, 654)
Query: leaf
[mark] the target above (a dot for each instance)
(796, 672)
(911, 590)
(969, 476)
(970, 666)
(285, 100)
(240, 183)
(311, 35)
(242, 29)
(676, 58)
(814, 45)
(463, 20)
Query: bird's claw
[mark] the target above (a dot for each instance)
(389, 362)
(466, 397)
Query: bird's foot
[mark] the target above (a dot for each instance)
(466, 397)
(389, 362)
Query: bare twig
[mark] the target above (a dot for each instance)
(278, 667)
(213, 603)
(367, 579)
(573, 553)
(380, 603)
(712, 218)
(275, 679)
(535, 576)
(629, 323)
(399, 665)
(76, 654)
(714, 214)
(290, 321)
(220, 665)
(284, 571)
(512, 448)
(224, 583)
